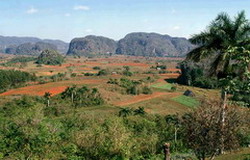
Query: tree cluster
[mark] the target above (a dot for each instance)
(134, 87)
(14, 78)
(83, 96)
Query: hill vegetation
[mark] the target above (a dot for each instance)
(92, 45)
(29, 48)
(136, 44)
(153, 45)
(50, 57)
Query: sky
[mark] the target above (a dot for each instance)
(67, 19)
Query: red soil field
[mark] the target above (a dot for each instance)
(93, 63)
(168, 76)
(129, 64)
(144, 97)
(54, 88)
(173, 70)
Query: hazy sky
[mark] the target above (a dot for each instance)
(66, 19)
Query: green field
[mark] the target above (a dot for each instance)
(162, 86)
(187, 101)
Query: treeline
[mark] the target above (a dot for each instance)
(31, 129)
(19, 60)
(12, 78)
(194, 76)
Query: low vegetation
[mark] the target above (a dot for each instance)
(50, 57)
(11, 78)
(21, 60)
(185, 100)
(132, 87)
(33, 129)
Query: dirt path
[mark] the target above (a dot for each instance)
(143, 97)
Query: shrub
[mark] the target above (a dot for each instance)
(146, 90)
(161, 66)
(173, 88)
(102, 72)
(96, 68)
(89, 74)
(73, 75)
(127, 73)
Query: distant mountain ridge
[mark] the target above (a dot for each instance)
(136, 44)
(10, 41)
(30, 48)
(92, 45)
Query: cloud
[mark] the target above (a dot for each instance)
(88, 30)
(32, 10)
(176, 27)
(67, 14)
(80, 7)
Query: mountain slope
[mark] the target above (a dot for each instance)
(153, 44)
(6, 42)
(91, 45)
(29, 48)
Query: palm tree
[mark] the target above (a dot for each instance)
(70, 92)
(222, 33)
(173, 120)
(47, 96)
(82, 94)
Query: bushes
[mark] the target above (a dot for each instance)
(30, 129)
(146, 90)
(77, 135)
(89, 74)
(131, 86)
(204, 132)
(97, 68)
(102, 72)
(21, 60)
(127, 71)
(12, 78)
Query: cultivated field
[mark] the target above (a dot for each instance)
(161, 101)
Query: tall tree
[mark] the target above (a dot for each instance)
(202, 131)
(47, 96)
(222, 33)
